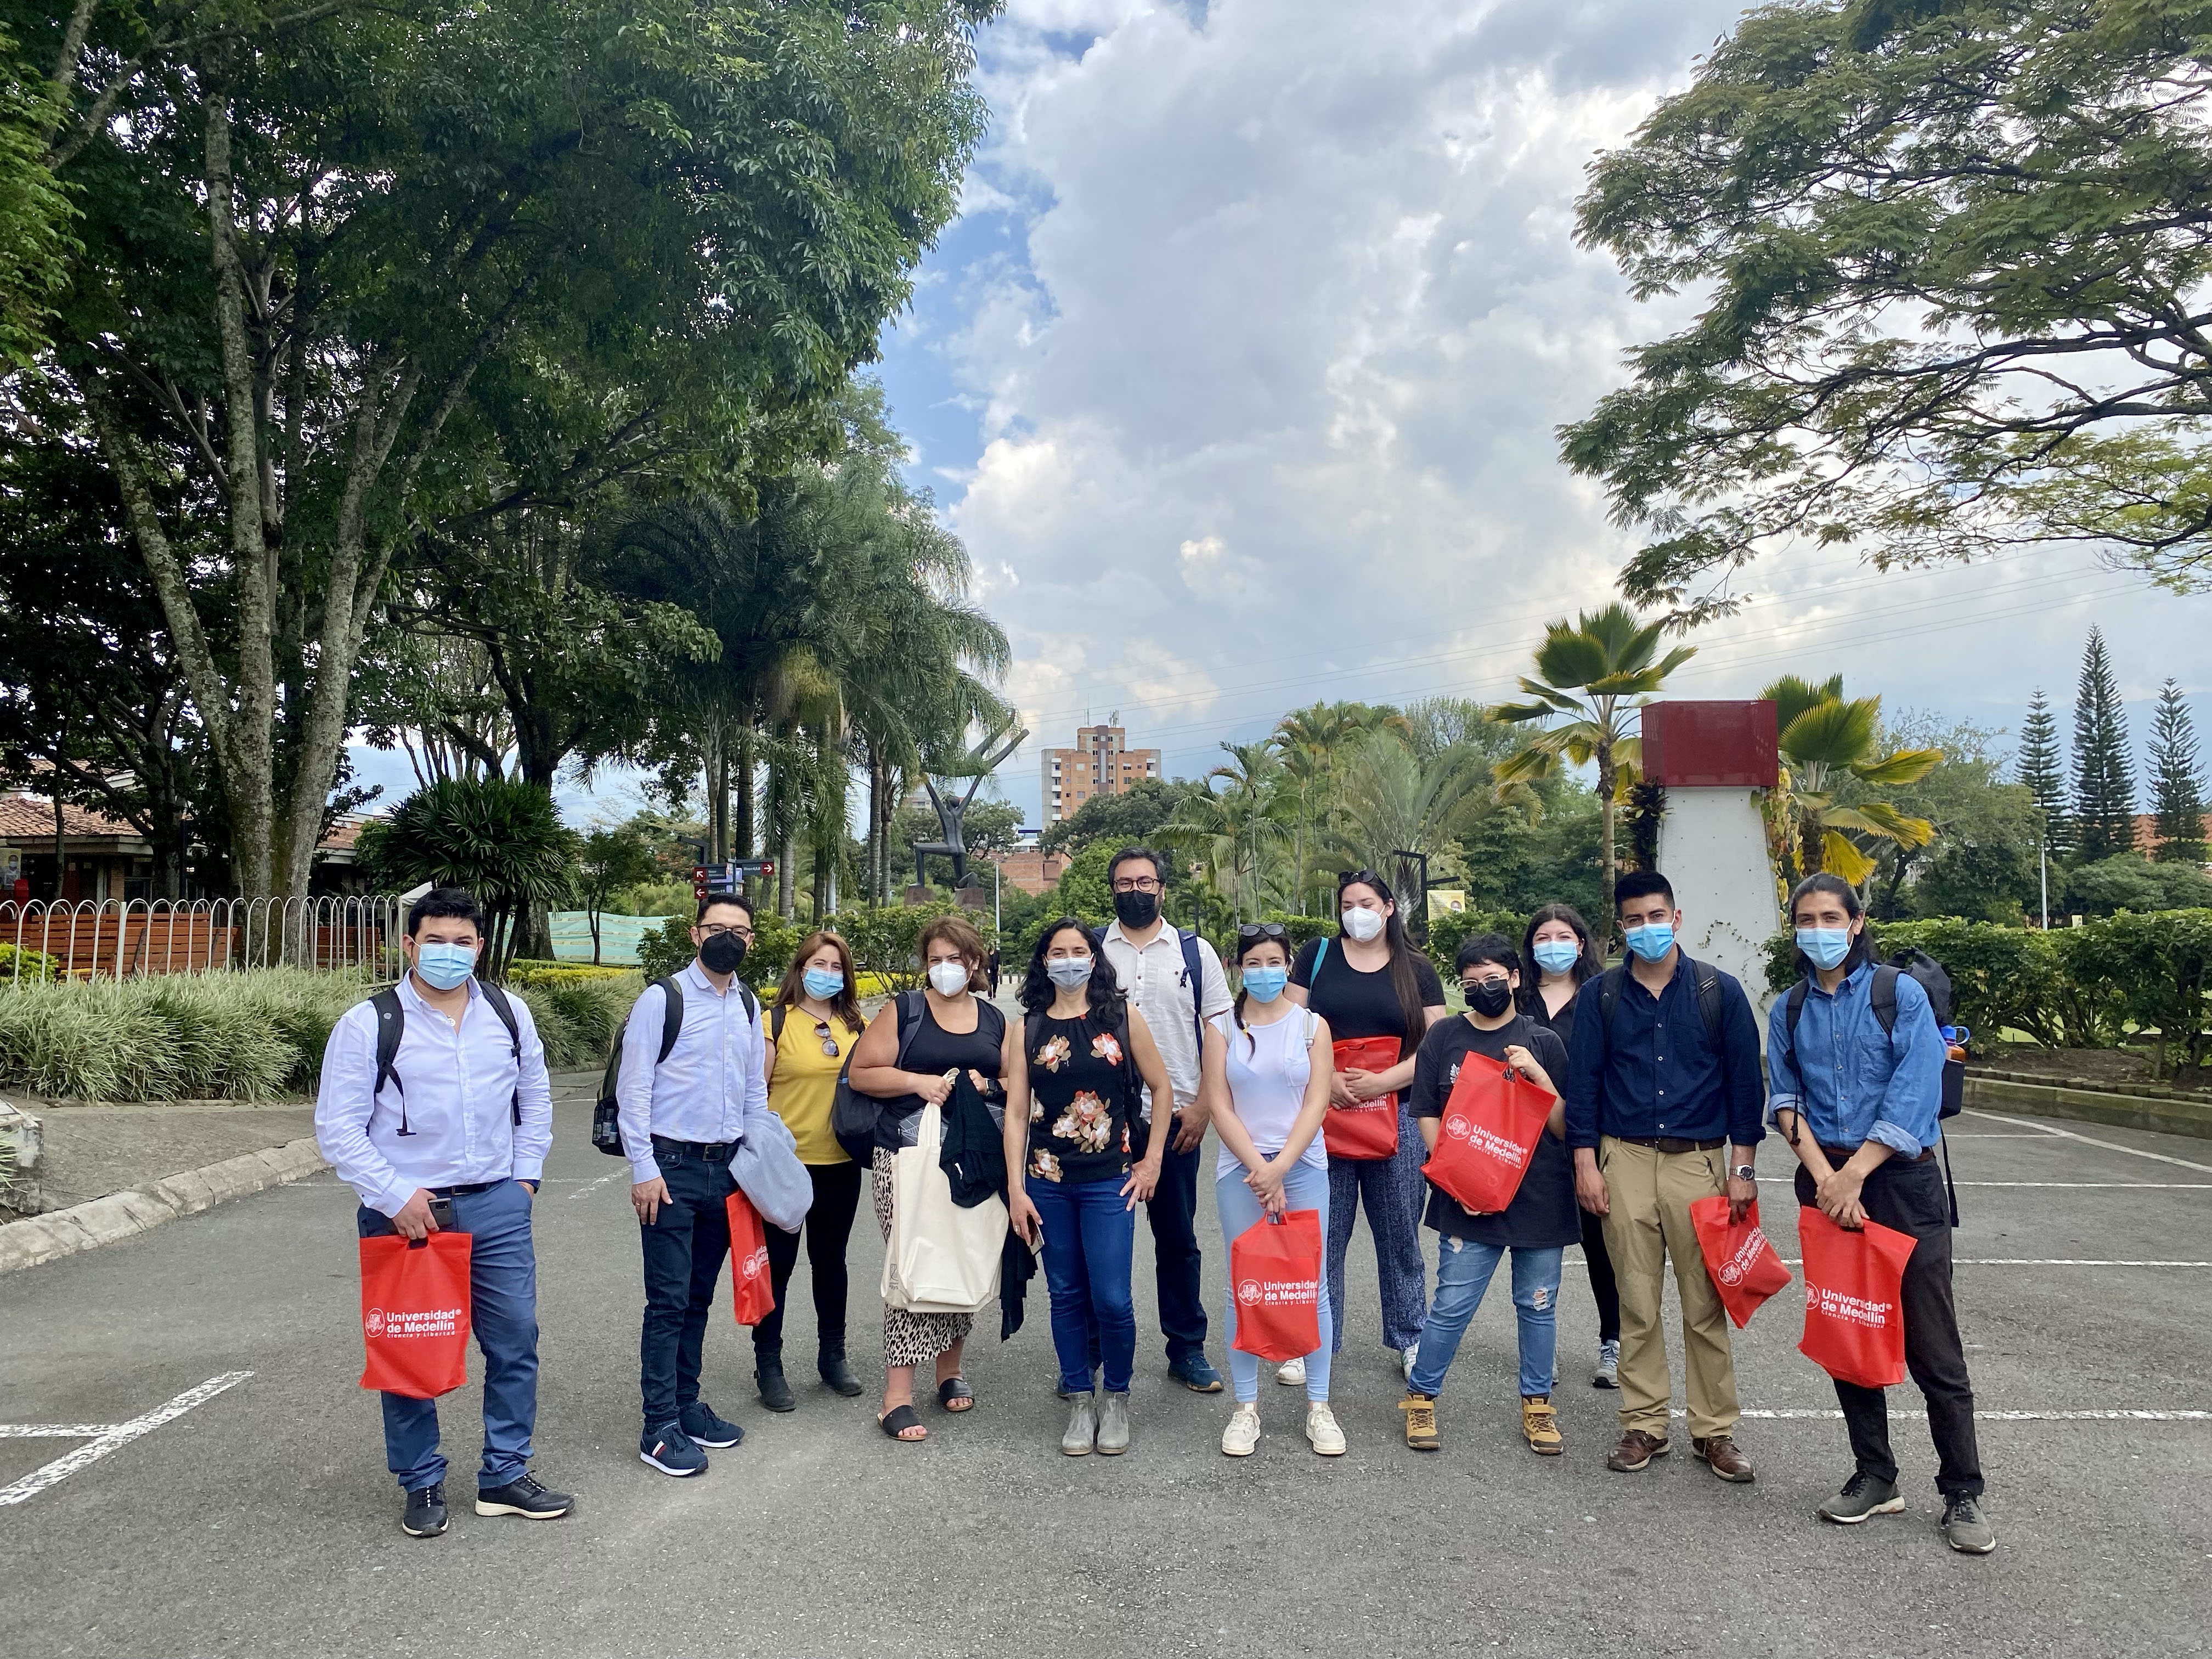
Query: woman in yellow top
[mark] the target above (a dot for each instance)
(819, 1015)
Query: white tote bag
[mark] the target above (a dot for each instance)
(941, 1258)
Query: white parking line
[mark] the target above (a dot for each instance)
(108, 1439)
(2034, 1261)
(1982, 1415)
(2087, 1141)
(56, 1430)
(593, 1186)
(2084, 1186)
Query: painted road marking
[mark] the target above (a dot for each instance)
(113, 1439)
(2105, 1186)
(56, 1430)
(2034, 1262)
(593, 1187)
(2088, 1140)
(1984, 1415)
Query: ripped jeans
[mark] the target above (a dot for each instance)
(1463, 1273)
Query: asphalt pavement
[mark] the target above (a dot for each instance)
(261, 1517)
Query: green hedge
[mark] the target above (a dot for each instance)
(882, 938)
(2076, 987)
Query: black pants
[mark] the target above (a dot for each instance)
(1603, 1286)
(683, 1250)
(1909, 1196)
(827, 1226)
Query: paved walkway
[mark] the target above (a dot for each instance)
(258, 1515)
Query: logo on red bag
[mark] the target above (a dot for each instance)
(1852, 1309)
(372, 1322)
(1488, 1142)
(1248, 1293)
(755, 1264)
(1747, 1253)
(408, 1322)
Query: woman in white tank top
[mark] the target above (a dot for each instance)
(1265, 1074)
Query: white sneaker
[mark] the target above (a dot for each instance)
(1243, 1432)
(1291, 1373)
(1322, 1429)
(1411, 1354)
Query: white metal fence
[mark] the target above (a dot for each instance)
(124, 939)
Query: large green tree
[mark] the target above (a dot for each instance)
(2176, 780)
(2102, 813)
(2041, 769)
(404, 281)
(1950, 258)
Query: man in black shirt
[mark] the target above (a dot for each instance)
(1537, 1226)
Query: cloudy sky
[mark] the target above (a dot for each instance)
(1238, 376)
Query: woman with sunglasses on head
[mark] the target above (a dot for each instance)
(813, 1024)
(1080, 1159)
(1265, 1077)
(1558, 945)
(1370, 982)
(954, 1030)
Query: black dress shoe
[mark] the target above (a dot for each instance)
(839, 1375)
(774, 1392)
(426, 1511)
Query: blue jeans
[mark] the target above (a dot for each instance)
(1463, 1271)
(1090, 1234)
(684, 1248)
(503, 1314)
(1303, 1188)
(1395, 1190)
(1173, 1213)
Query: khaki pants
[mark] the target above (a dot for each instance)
(1650, 1192)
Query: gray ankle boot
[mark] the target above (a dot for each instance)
(1082, 1426)
(1114, 1425)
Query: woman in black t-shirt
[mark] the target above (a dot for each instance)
(1536, 1227)
(1369, 981)
(1561, 958)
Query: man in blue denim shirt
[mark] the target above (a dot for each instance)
(1859, 1105)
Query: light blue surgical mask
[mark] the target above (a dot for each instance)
(1068, 972)
(823, 983)
(1556, 956)
(1826, 947)
(1266, 984)
(1652, 940)
(445, 966)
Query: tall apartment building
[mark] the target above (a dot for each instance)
(1101, 763)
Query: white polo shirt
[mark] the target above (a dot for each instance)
(1157, 984)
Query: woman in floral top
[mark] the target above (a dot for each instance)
(1074, 1172)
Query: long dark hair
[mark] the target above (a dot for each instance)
(1836, 887)
(846, 1005)
(1403, 980)
(1106, 1002)
(1588, 966)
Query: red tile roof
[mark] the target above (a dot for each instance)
(31, 817)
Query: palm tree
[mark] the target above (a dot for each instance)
(1392, 800)
(1827, 742)
(1233, 830)
(1594, 675)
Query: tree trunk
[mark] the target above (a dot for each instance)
(716, 777)
(786, 905)
(743, 830)
(61, 849)
(1606, 776)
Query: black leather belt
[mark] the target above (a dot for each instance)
(707, 1151)
(1671, 1143)
(470, 1191)
(1839, 1155)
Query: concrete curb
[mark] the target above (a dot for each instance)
(2167, 1116)
(126, 1214)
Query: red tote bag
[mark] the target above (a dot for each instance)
(1488, 1135)
(1854, 1317)
(1275, 1265)
(414, 1314)
(1369, 1131)
(1742, 1265)
(752, 1289)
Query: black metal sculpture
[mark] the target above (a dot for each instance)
(952, 815)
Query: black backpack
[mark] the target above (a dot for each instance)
(606, 1132)
(853, 1115)
(1708, 1002)
(392, 1026)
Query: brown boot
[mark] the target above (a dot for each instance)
(1636, 1451)
(1724, 1456)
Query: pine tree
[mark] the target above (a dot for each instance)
(2042, 768)
(2104, 806)
(2177, 780)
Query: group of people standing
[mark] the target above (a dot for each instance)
(1131, 1044)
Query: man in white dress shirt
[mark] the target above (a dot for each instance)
(681, 1121)
(453, 1133)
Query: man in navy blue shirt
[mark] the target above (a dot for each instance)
(1860, 1105)
(1663, 1108)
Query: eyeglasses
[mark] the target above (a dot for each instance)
(828, 1042)
(1136, 885)
(1251, 932)
(1468, 985)
(711, 928)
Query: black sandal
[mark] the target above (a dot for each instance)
(898, 1420)
(952, 1389)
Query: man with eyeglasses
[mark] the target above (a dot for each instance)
(682, 1115)
(1174, 978)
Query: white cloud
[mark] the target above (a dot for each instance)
(1269, 362)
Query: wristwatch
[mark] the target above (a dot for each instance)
(1745, 1172)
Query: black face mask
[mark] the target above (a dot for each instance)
(1491, 998)
(721, 953)
(1137, 909)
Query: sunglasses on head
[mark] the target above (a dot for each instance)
(1359, 879)
(1252, 933)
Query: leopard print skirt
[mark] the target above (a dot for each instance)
(911, 1338)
